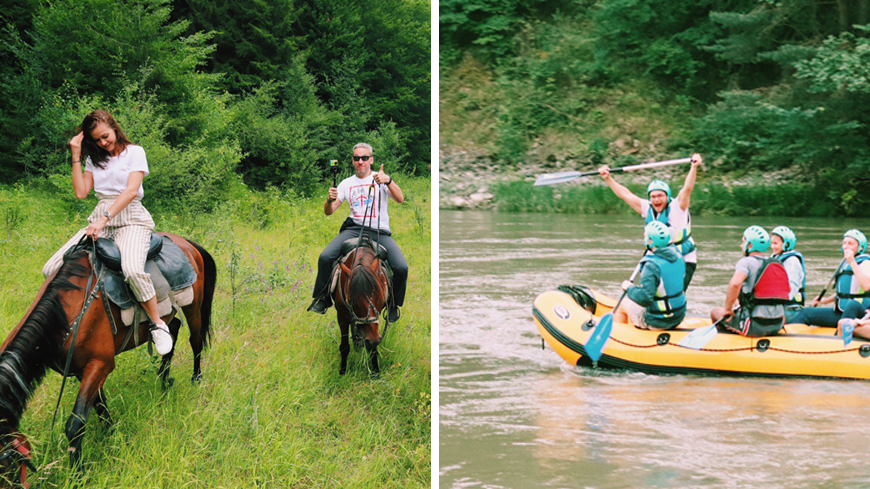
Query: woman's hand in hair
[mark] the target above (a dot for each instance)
(75, 145)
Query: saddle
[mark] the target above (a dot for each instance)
(170, 270)
(349, 246)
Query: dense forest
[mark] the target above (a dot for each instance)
(762, 87)
(259, 92)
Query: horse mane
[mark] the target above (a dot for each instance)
(28, 355)
(363, 282)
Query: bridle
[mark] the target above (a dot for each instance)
(18, 454)
(372, 311)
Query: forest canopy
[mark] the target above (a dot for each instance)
(263, 91)
(757, 85)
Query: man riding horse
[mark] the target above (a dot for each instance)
(368, 214)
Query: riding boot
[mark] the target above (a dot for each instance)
(162, 338)
(394, 314)
(320, 305)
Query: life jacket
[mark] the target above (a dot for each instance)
(669, 298)
(848, 286)
(770, 288)
(799, 297)
(683, 238)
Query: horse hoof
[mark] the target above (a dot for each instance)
(168, 383)
(341, 372)
(196, 378)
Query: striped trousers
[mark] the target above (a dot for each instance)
(131, 229)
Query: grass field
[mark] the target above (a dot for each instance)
(271, 410)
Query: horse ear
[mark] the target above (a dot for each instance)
(376, 263)
(344, 268)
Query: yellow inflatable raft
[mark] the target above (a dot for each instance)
(567, 318)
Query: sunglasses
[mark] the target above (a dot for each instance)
(364, 158)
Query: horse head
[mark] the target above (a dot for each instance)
(15, 460)
(364, 292)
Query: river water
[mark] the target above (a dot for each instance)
(514, 415)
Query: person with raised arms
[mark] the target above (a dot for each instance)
(658, 302)
(782, 247)
(358, 192)
(852, 280)
(755, 285)
(659, 206)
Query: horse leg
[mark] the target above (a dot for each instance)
(94, 375)
(163, 371)
(373, 355)
(344, 347)
(102, 409)
(197, 342)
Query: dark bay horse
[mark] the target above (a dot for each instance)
(360, 296)
(42, 340)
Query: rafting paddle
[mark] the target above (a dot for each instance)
(565, 176)
(830, 282)
(699, 337)
(599, 337)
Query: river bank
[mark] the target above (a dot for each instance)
(470, 179)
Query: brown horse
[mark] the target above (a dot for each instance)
(42, 340)
(360, 296)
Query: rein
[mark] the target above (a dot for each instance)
(369, 319)
(74, 327)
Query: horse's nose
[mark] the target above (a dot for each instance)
(374, 341)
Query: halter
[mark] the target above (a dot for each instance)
(19, 454)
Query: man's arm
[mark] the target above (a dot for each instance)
(332, 203)
(734, 290)
(686, 192)
(623, 193)
(644, 293)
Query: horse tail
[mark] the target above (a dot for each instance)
(208, 290)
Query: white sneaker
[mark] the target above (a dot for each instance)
(162, 338)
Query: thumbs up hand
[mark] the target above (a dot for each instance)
(381, 177)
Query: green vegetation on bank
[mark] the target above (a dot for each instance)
(707, 199)
(755, 86)
(267, 91)
(271, 410)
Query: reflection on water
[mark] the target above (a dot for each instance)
(515, 416)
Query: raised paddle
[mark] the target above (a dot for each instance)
(599, 337)
(565, 176)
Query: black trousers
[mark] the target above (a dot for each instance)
(332, 252)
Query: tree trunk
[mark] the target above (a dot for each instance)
(863, 11)
(843, 11)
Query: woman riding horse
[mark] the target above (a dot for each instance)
(114, 169)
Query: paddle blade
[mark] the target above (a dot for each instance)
(554, 178)
(699, 338)
(599, 337)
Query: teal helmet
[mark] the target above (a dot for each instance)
(789, 240)
(658, 232)
(859, 237)
(659, 185)
(756, 239)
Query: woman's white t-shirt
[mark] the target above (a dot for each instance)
(112, 180)
(356, 191)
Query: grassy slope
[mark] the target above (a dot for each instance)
(271, 410)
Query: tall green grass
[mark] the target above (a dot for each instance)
(271, 410)
(800, 200)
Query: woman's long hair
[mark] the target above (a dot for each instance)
(98, 155)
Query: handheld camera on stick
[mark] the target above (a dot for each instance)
(333, 165)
